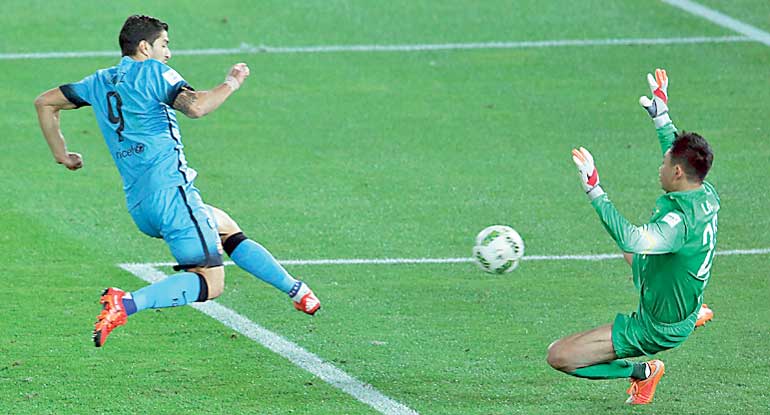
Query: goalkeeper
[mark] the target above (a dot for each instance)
(671, 260)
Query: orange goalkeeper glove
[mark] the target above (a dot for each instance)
(657, 107)
(589, 177)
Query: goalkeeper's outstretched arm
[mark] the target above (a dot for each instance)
(661, 237)
(664, 236)
(657, 107)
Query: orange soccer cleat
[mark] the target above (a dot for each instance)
(113, 315)
(642, 391)
(705, 314)
(305, 301)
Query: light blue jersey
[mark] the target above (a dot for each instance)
(132, 103)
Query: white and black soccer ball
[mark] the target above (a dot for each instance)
(498, 249)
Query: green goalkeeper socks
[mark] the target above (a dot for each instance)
(615, 369)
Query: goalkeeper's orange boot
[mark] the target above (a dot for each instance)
(305, 301)
(113, 315)
(642, 391)
(705, 314)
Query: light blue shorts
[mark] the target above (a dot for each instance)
(179, 216)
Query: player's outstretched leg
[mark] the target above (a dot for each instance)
(256, 260)
(259, 262)
(176, 290)
(642, 391)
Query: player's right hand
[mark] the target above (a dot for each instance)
(657, 107)
(73, 161)
(237, 76)
(589, 176)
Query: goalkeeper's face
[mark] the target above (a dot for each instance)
(670, 174)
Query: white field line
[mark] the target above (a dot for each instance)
(398, 261)
(246, 48)
(722, 20)
(295, 354)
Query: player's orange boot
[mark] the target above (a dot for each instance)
(305, 301)
(705, 314)
(642, 391)
(113, 315)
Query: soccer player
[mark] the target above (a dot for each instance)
(672, 257)
(134, 104)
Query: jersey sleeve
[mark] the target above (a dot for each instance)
(666, 136)
(165, 83)
(664, 236)
(80, 93)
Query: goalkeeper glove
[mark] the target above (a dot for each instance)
(589, 177)
(657, 106)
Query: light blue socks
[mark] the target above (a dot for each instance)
(178, 289)
(257, 261)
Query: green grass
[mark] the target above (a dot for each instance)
(373, 155)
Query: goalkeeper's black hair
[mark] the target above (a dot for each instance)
(138, 28)
(693, 153)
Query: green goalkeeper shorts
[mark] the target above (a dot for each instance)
(639, 334)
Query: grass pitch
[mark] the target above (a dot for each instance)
(384, 155)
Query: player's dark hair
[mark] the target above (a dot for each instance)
(138, 28)
(693, 153)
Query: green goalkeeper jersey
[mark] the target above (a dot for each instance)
(674, 252)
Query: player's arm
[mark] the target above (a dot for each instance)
(196, 104)
(661, 237)
(653, 238)
(657, 107)
(48, 106)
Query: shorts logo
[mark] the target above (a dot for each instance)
(137, 149)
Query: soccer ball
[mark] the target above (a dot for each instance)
(498, 249)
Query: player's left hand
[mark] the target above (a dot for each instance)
(657, 107)
(237, 75)
(589, 176)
